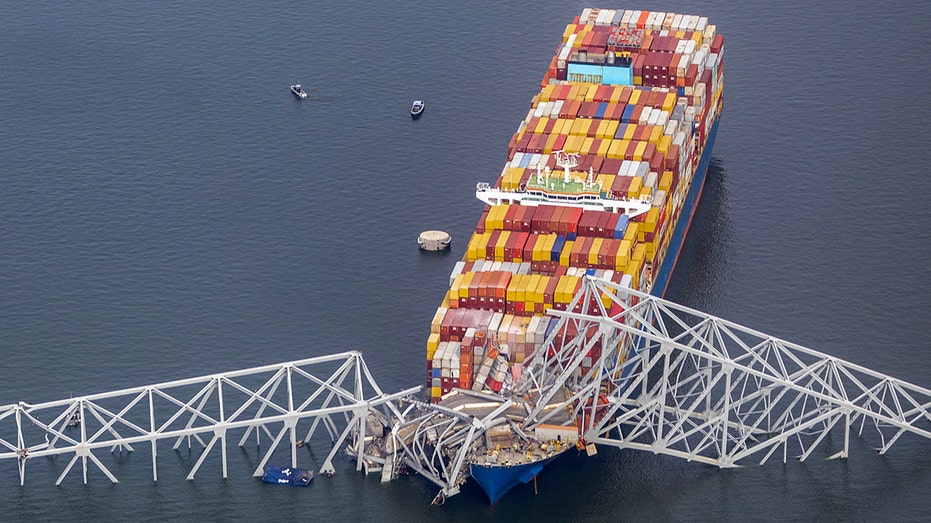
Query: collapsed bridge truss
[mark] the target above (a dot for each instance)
(630, 370)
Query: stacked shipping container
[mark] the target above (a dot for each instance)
(639, 140)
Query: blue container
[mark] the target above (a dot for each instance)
(436, 373)
(619, 134)
(570, 236)
(525, 161)
(628, 112)
(589, 272)
(602, 107)
(557, 248)
(621, 227)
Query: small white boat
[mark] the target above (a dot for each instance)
(298, 91)
(417, 108)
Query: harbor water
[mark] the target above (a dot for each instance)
(169, 209)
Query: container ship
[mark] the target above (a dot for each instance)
(601, 178)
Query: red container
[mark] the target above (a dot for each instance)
(526, 215)
(717, 43)
(517, 249)
(611, 166)
(612, 222)
(572, 220)
(492, 242)
(509, 217)
(508, 248)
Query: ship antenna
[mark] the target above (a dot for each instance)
(566, 161)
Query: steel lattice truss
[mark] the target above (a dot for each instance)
(336, 392)
(668, 379)
(436, 441)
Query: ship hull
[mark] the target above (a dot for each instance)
(497, 480)
(685, 219)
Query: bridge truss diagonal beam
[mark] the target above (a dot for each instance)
(648, 374)
(335, 391)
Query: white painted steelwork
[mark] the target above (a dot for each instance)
(336, 391)
(673, 380)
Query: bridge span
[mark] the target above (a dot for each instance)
(627, 370)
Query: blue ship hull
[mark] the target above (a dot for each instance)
(497, 480)
(685, 217)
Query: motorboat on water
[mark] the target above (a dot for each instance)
(298, 91)
(417, 108)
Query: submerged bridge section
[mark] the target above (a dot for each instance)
(627, 369)
(284, 402)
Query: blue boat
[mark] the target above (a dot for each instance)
(287, 476)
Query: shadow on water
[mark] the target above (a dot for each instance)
(703, 268)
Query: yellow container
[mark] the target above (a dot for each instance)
(587, 144)
(547, 93)
(437, 320)
(550, 142)
(638, 152)
(499, 217)
(510, 293)
(538, 293)
(574, 90)
(638, 80)
(634, 97)
(651, 249)
(612, 129)
(559, 296)
(563, 125)
(593, 253)
(570, 29)
(436, 392)
(579, 127)
(608, 181)
(603, 129)
(656, 134)
(630, 235)
(457, 284)
(639, 253)
(472, 248)
(636, 183)
(541, 125)
(614, 150)
(665, 182)
(483, 246)
(664, 142)
(519, 287)
(464, 286)
(629, 131)
(574, 144)
(564, 255)
(616, 94)
(433, 342)
(532, 289)
(603, 148)
(646, 192)
(590, 96)
(669, 103)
